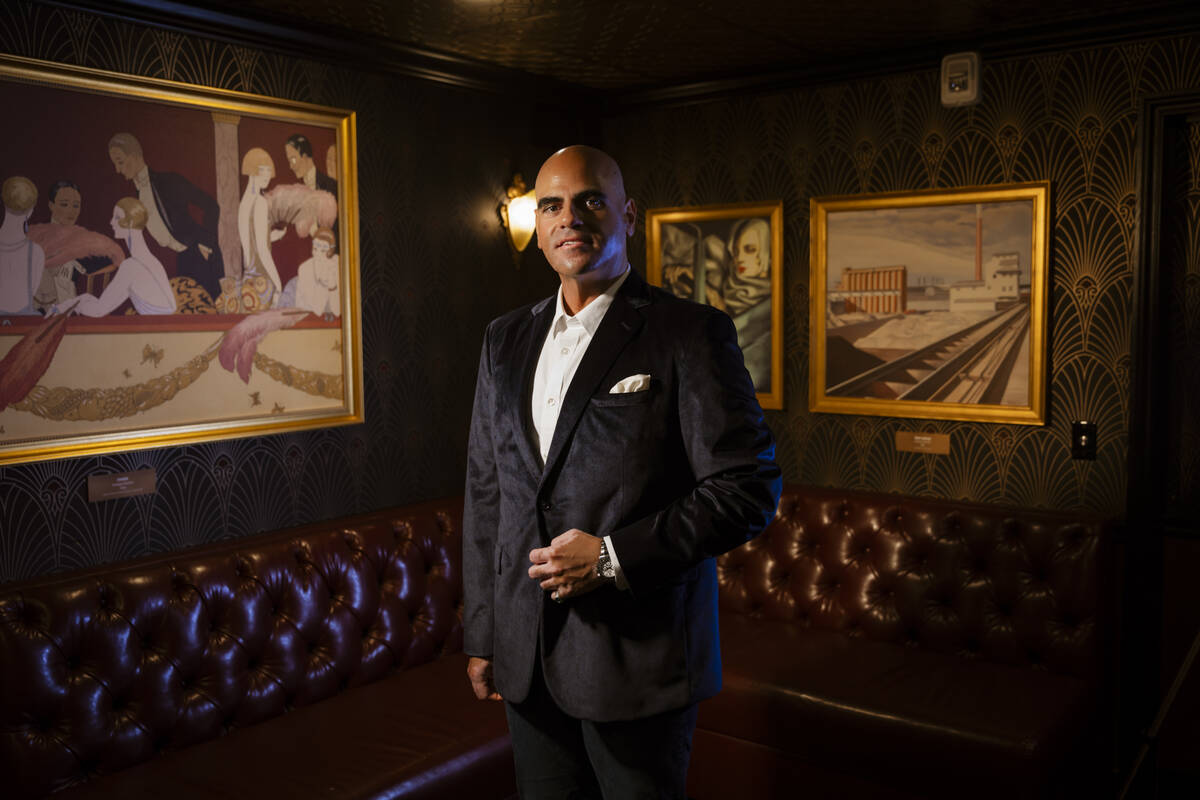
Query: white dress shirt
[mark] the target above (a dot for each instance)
(562, 351)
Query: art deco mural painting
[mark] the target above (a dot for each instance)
(177, 264)
(930, 304)
(731, 257)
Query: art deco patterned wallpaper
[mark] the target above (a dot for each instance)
(435, 270)
(1070, 118)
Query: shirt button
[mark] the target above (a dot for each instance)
(545, 505)
(565, 350)
(549, 401)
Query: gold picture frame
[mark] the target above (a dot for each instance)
(931, 304)
(178, 264)
(684, 241)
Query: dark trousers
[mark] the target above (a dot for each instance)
(559, 757)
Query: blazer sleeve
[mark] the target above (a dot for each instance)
(481, 516)
(731, 453)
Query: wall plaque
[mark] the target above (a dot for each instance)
(121, 484)
(937, 444)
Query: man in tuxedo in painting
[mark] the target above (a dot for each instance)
(169, 198)
(299, 154)
(616, 448)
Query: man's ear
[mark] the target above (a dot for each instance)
(630, 216)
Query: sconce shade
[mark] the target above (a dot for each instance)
(518, 214)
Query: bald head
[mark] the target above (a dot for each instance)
(598, 162)
(584, 218)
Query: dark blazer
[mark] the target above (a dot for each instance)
(175, 196)
(676, 475)
(326, 183)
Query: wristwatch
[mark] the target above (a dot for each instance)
(604, 566)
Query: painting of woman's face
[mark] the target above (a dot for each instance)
(119, 230)
(751, 253)
(64, 208)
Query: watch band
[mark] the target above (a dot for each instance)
(604, 566)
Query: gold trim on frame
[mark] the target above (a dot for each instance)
(657, 217)
(264, 419)
(1032, 412)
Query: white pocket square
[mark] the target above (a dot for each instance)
(634, 383)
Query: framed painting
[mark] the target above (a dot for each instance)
(731, 257)
(177, 264)
(931, 304)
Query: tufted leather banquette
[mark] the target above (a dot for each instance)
(884, 646)
(873, 645)
(321, 661)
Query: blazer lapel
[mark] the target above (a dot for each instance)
(620, 323)
(517, 392)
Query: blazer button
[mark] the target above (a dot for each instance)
(545, 505)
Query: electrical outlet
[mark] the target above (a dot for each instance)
(1083, 440)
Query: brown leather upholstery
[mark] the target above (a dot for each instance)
(874, 646)
(1012, 586)
(917, 647)
(109, 668)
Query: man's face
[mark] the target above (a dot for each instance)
(127, 164)
(748, 253)
(299, 164)
(64, 208)
(583, 216)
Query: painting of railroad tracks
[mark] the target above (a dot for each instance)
(930, 304)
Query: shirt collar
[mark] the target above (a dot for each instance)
(142, 179)
(591, 315)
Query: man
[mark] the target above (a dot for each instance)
(616, 447)
(299, 152)
(169, 198)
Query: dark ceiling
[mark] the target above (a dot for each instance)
(606, 44)
(621, 47)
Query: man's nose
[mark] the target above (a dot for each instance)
(572, 215)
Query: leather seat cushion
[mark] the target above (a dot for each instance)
(417, 734)
(912, 715)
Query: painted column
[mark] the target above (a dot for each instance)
(225, 140)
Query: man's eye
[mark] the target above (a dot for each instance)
(549, 208)
(595, 203)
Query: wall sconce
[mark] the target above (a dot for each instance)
(517, 214)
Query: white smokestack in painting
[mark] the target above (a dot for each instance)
(979, 241)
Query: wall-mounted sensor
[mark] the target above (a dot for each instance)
(960, 79)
